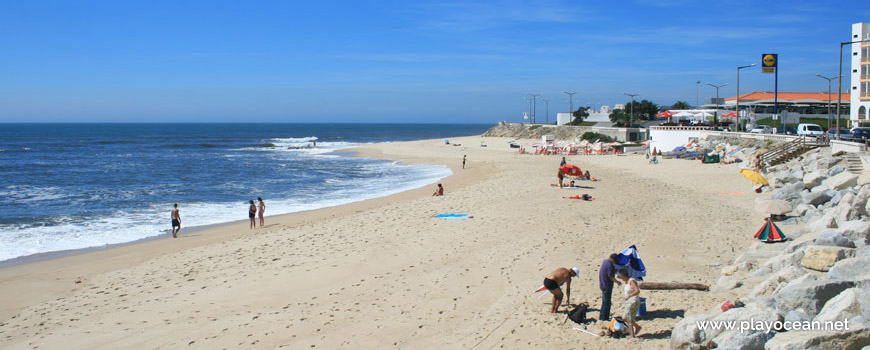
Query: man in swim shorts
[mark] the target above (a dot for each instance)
(554, 280)
(176, 221)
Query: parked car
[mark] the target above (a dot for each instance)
(761, 129)
(859, 134)
(786, 130)
(844, 133)
(810, 129)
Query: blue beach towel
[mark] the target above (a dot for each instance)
(453, 216)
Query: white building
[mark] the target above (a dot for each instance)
(619, 106)
(605, 110)
(563, 118)
(860, 78)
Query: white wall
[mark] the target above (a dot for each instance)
(563, 118)
(666, 138)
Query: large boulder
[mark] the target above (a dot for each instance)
(775, 282)
(814, 178)
(827, 220)
(686, 335)
(821, 258)
(850, 303)
(819, 340)
(842, 181)
(809, 296)
(854, 269)
(816, 197)
(788, 177)
(833, 238)
(836, 170)
(789, 192)
(856, 230)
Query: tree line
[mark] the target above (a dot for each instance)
(642, 110)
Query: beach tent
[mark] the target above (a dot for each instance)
(770, 233)
(572, 170)
(629, 258)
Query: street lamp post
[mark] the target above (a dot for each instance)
(829, 95)
(631, 113)
(840, 81)
(697, 93)
(547, 111)
(570, 102)
(716, 113)
(737, 105)
(535, 105)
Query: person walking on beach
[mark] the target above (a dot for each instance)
(252, 212)
(553, 283)
(561, 176)
(606, 279)
(463, 162)
(631, 301)
(262, 210)
(563, 162)
(176, 221)
(439, 191)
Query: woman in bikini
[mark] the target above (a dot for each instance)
(262, 208)
(252, 212)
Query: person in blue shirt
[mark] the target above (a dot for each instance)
(606, 279)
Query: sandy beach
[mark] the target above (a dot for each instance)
(383, 273)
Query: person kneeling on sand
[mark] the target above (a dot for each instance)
(631, 301)
(439, 191)
(554, 280)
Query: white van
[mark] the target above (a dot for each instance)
(810, 129)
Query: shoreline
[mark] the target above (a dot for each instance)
(58, 269)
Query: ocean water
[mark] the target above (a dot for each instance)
(71, 186)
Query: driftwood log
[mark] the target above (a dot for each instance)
(673, 286)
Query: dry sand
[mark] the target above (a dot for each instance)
(384, 274)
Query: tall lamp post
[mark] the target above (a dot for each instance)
(697, 94)
(737, 106)
(570, 102)
(534, 98)
(547, 111)
(716, 113)
(829, 95)
(631, 114)
(840, 81)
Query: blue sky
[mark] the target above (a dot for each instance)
(395, 61)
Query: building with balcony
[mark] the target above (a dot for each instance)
(860, 77)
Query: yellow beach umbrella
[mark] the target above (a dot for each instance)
(754, 176)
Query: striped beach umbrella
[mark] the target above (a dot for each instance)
(770, 233)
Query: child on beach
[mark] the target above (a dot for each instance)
(252, 212)
(631, 301)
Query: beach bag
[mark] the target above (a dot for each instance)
(578, 315)
(617, 325)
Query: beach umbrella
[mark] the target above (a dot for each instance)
(754, 176)
(630, 259)
(570, 169)
(667, 114)
(773, 206)
(729, 115)
(770, 233)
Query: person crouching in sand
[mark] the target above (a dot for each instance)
(631, 301)
(439, 191)
(553, 281)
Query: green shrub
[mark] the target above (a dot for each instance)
(592, 136)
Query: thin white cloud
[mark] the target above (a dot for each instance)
(463, 16)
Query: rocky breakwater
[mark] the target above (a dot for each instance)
(809, 292)
(535, 131)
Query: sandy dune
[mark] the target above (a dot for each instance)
(384, 273)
